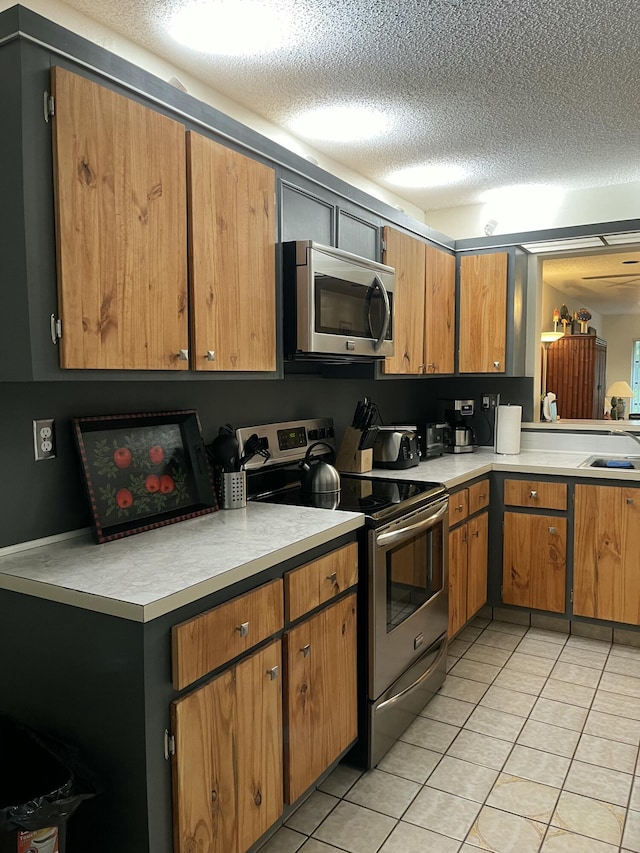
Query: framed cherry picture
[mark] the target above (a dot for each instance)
(143, 471)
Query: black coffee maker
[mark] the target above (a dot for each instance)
(459, 435)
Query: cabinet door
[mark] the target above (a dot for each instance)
(227, 768)
(483, 313)
(320, 694)
(606, 581)
(121, 224)
(232, 258)
(534, 561)
(407, 256)
(439, 311)
(477, 563)
(458, 541)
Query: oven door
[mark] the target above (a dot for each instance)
(344, 307)
(408, 594)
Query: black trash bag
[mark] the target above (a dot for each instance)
(42, 783)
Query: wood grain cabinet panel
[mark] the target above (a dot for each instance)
(576, 373)
(227, 767)
(534, 561)
(478, 559)
(407, 256)
(479, 495)
(318, 582)
(458, 506)
(120, 205)
(210, 640)
(483, 313)
(535, 494)
(439, 311)
(320, 694)
(458, 539)
(606, 579)
(231, 257)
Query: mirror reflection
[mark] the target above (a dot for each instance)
(593, 301)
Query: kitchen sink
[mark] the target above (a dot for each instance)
(612, 462)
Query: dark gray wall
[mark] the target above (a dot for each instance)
(43, 498)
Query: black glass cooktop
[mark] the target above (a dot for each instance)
(380, 498)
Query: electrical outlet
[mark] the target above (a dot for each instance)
(490, 401)
(44, 439)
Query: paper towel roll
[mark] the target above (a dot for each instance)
(508, 424)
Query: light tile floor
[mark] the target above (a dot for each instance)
(530, 745)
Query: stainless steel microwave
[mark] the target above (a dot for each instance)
(336, 305)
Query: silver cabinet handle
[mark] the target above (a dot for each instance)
(552, 530)
(630, 501)
(533, 494)
(476, 533)
(459, 508)
(211, 355)
(183, 355)
(306, 650)
(464, 541)
(333, 577)
(273, 673)
(496, 364)
(243, 629)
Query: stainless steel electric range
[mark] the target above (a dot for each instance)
(403, 586)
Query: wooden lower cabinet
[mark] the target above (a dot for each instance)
(227, 767)
(606, 580)
(320, 694)
(468, 558)
(534, 561)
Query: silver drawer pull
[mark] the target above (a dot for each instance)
(333, 577)
(243, 629)
(459, 508)
(496, 364)
(533, 494)
(630, 501)
(306, 650)
(273, 673)
(211, 355)
(552, 530)
(183, 355)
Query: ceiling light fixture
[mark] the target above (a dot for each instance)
(427, 175)
(563, 245)
(617, 239)
(232, 27)
(339, 123)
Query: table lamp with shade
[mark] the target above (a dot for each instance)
(619, 392)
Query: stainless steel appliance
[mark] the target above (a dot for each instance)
(431, 439)
(337, 306)
(459, 435)
(396, 447)
(403, 583)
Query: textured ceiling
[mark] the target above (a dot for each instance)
(514, 91)
(606, 283)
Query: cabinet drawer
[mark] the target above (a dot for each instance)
(315, 583)
(208, 641)
(479, 495)
(458, 506)
(532, 493)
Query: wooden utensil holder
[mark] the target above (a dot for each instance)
(349, 458)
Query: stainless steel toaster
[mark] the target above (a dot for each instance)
(396, 447)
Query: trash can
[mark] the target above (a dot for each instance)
(42, 783)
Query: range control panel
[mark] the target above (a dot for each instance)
(287, 441)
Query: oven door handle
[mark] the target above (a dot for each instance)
(415, 684)
(378, 285)
(402, 533)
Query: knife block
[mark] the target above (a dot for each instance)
(349, 458)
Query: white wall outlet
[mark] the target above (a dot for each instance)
(44, 439)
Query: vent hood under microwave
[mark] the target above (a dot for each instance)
(337, 306)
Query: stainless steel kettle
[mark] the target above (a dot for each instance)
(320, 477)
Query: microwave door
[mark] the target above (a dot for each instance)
(378, 287)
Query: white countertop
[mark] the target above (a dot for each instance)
(147, 575)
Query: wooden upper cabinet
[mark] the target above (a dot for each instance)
(231, 201)
(483, 313)
(407, 256)
(120, 203)
(439, 311)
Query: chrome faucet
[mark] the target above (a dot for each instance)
(632, 435)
